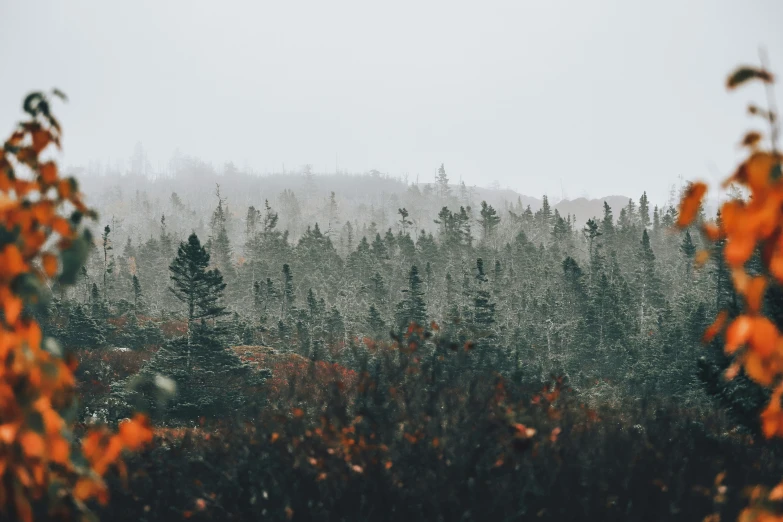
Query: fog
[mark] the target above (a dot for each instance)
(565, 98)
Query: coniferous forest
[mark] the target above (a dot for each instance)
(199, 340)
(407, 352)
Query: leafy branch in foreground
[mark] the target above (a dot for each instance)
(43, 242)
(746, 227)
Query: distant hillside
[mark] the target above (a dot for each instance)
(135, 203)
(585, 209)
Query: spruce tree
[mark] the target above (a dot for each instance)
(83, 330)
(138, 299)
(489, 221)
(375, 323)
(607, 223)
(483, 307)
(193, 284)
(412, 308)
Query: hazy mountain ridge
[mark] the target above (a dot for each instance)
(134, 204)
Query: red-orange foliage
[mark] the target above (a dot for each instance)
(311, 379)
(39, 244)
(747, 225)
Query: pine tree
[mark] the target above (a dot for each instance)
(404, 221)
(211, 380)
(591, 232)
(412, 308)
(489, 221)
(483, 307)
(650, 297)
(138, 298)
(193, 284)
(544, 217)
(443, 183)
(687, 248)
(288, 291)
(83, 331)
(375, 323)
(378, 248)
(607, 223)
(644, 211)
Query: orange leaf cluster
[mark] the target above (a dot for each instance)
(747, 226)
(37, 395)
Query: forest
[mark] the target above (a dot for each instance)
(205, 341)
(413, 353)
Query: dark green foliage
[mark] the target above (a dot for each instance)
(412, 308)
(489, 221)
(83, 330)
(615, 306)
(211, 381)
(193, 284)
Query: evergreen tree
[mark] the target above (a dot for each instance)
(687, 248)
(483, 307)
(644, 211)
(138, 298)
(489, 221)
(375, 323)
(288, 291)
(404, 221)
(211, 380)
(412, 308)
(443, 183)
(607, 223)
(83, 331)
(193, 284)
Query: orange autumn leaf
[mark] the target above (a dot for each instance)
(49, 262)
(88, 487)
(737, 333)
(754, 293)
(763, 336)
(49, 173)
(751, 139)
(135, 433)
(11, 262)
(64, 189)
(32, 444)
(772, 416)
(755, 172)
(776, 264)
(59, 450)
(716, 327)
(690, 204)
(758, 368)
(12, 307)
(738, 250)
(746, 73)
(41, 138)
(776, 493)
(61, 226)
(732, 371)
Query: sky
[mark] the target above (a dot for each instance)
(565, 98)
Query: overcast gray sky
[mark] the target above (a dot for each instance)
(605, 96)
